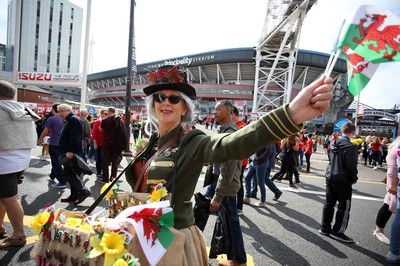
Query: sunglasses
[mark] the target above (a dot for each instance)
(173, 99)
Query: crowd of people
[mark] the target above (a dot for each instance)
(170, 105)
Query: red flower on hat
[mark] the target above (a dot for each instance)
(165, 75)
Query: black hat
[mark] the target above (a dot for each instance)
(169, 78)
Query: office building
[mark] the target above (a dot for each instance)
(51, 33)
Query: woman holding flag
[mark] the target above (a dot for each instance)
(169, 104)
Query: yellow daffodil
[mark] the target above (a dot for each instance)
(111, 244)
(110, 192)
(73, 222)
(120, 262)
(39, 221)
(85, 227)
(157, 195)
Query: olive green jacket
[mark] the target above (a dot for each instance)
(229, 180)
(180, 166)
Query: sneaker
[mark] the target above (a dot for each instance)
(277, 196)
(324, 231)
(43, 158)
(246, 200)
(260, 204)
(375, 168)
(59, 185)
(240, 212)
(381, 236)
(392, 258)
(341, 237)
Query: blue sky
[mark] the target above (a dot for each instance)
(166, 29)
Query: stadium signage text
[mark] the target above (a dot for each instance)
(49, 77)
(183, 61)
(375, 122)
(381, 114)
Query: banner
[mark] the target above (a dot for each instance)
(48, 79)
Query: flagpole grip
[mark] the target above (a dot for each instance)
(333, 63)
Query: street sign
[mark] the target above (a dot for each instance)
(92, 110)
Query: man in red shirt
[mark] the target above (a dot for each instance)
(97, 137)
(308, 151)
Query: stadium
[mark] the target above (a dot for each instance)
(224, 74)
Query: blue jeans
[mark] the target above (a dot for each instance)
(301, 156)
(56, 168)
(210, 189)
(239, 253)
(271, 185)
(260, 170)
(250, 181)
(395, 232)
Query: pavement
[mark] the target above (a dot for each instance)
(284, 233)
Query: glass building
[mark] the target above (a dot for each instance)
(51, 32)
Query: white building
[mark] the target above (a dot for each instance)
(51, 32)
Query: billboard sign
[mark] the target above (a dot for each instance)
(49, 79)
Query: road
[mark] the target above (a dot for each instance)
(284, 233)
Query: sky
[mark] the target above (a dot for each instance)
(175, 28)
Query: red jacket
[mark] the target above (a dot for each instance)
(241, 124)
(96, 133)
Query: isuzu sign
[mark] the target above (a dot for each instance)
(49, 79)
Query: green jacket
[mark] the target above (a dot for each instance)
(195, 148)
(229, 179)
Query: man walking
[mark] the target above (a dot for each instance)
(341, 174)
(70, 145)
(54, 125)
(239, 123)
(227, 187)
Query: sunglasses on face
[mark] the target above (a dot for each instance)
(173, 99)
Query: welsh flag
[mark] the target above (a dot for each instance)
(371, 37)
(151, 223)
(359, 70)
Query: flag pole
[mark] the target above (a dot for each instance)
(330, 68)
(334, 48)
(355, 120)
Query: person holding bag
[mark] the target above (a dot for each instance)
(179, 165)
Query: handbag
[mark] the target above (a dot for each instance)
(125, 202)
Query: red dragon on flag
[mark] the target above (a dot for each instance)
(386, 37)
(372, 36)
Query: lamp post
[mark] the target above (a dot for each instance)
(131, 73)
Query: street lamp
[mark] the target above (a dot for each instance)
(131, 74)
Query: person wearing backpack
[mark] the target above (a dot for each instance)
(341, 174)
